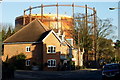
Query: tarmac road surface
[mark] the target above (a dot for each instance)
(58, 75)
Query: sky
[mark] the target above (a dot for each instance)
(61, 0)
(10, 10)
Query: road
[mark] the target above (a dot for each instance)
(58, 75)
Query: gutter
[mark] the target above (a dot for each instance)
(20, 42)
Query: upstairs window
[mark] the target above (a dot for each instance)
(51, 49)
(51, 63)
(28, 49)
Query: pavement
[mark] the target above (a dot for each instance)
(91, 69)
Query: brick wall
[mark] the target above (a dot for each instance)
(38, 52)
(51, 40)
(11, 50)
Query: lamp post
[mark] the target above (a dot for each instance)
(113, 8)
(117, 47)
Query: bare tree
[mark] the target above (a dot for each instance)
(84, 36)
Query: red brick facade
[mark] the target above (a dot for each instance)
(38, 51)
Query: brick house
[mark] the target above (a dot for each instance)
(40, 45)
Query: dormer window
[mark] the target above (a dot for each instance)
(51, 49)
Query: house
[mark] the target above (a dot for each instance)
(40, 44)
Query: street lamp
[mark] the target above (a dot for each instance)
(117, 42)
(113, 8)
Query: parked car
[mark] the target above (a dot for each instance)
(111, 71)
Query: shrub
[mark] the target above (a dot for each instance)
(18, 61)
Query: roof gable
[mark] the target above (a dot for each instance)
(29, 33)
(52, 32)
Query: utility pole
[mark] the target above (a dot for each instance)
(79, 47)
(86, 30)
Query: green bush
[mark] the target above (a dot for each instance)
(18, 61)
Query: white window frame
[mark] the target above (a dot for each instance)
(51, 65)
(27, 62)
(54, 49)
(27, 48)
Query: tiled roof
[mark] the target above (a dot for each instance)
(29, 33)
(44, 35)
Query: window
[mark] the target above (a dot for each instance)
(70, 41)
(51, 49)
(28, 49)
(27, 62)
(51, 63)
